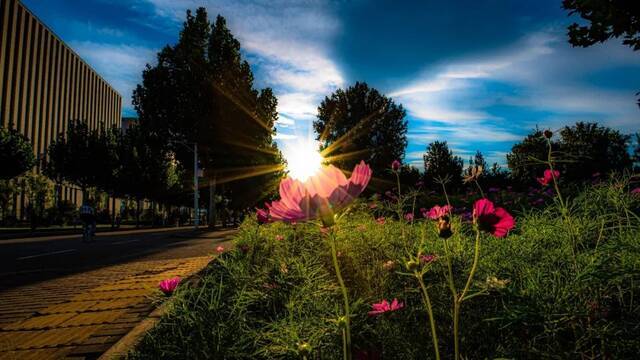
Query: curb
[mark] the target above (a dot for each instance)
(122, 347)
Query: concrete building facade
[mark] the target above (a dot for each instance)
(44, 84)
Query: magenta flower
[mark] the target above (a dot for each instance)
(168, 286)
(381, 220)
(320, 195)
(548, 177)
(437, 212)
(636, 191)
(494, 220)
(395, 165)
(220, 249)
(408, 217)
(384, 306)
(427, 259)
(262, 215)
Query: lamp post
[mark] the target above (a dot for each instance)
(196, 195)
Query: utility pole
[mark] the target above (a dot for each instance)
(212, 202)
(196, 221)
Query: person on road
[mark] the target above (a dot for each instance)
(88, 217)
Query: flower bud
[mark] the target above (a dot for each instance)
(395, 165)
(444, 227)
(412, 265)
(304, 348)
(342, 321)
(548, 134)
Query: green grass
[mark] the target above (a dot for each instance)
(263, 302)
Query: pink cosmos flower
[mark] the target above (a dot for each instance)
(320, 195)
(548, 177)
(262, 215)
(437, 212)
(168, 286)
(381, 220)
(395, 165)
(636, 191)
(495, 220)
(408, 217)
(220, 249)
(384, 306)
(427, 259)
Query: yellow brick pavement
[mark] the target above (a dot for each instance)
(82, 315)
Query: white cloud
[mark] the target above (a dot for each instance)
(290, 42)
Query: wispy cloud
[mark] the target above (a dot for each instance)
(539, 75)
(120, 64)
(288, 44)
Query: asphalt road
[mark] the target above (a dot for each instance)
(28, 260)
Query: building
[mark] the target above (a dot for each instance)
(44, 84)
(127, 122)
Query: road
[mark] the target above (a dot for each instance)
(64, 299)
(28, 260)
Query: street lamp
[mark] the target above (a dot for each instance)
(196, 195)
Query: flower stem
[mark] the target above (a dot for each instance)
(432, 321)
(458, 301)
(479, 187)
(346, 334)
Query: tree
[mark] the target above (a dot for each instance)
(16, 154)
(607, 19)
(201, 91)
(582, 150)
(636, 152)
(589, 148)
(83, 157)
(359, 123)
(525, 156)
(440, 163)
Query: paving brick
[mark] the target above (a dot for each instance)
(69, 306)
(40, 322)
(108, 295)
(37, 354)
(92, 318)
(117, 304)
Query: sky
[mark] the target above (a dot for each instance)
(478, 74)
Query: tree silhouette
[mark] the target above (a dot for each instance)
(440, 163)
(359, 123)
(201, 91)
(16, 154)
(523, 158)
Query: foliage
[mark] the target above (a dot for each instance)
(83, 157)
(606, 19)
(361, 123)
(201, 91)
(276, 288)
(16, 154)
(582, 150)
(588, 148)
(440, 163)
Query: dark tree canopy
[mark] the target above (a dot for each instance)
(523, 160)
(83, 157)
(359, 123)
(440, 163)
(201, 90)
(590, 148)
(581, 151)
(16, 154)
(606, 19)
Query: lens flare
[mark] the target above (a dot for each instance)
(303, 159)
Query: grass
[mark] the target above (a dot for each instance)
(532, 297)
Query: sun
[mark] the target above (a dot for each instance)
(303, 159)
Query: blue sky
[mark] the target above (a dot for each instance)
(479, 74)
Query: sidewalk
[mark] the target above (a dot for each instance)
(82, 315)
